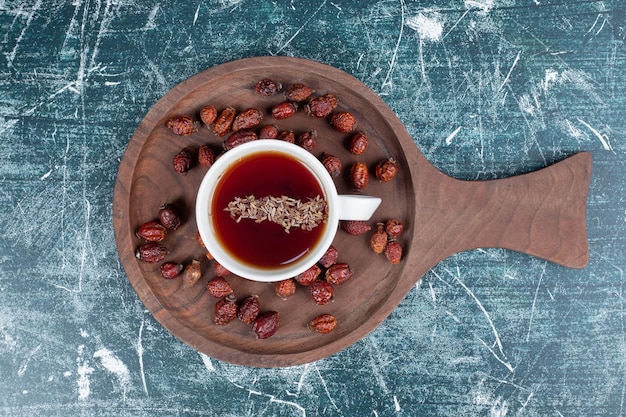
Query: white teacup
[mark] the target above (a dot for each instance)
(236, 238)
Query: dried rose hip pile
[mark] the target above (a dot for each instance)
(238, 127)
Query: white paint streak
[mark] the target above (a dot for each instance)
(139, 348)
(429, 27)
(452, 135)
(114, 365)
(387, 82)
(484, 6)
(300, 28)
(532, 310)
(84, 370)
(208, 364)
(24, 366)
(396, 404)
(323, 381)
(603, 138)
(508, 75)
(11, 55)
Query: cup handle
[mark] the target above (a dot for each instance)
(357, 207)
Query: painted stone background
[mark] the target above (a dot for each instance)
(487, 89)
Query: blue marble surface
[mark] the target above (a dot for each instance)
(487, 89)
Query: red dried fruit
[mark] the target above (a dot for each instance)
(219, 270)
(266, 324)
(208, 114)
(171, 270)
(355, 227)
(183, 161)
(268, 132)
(307, 277)
(192, 272)
(298, 92)
(332, 164)
(267, 87)
(206, 156)
(182, 125)
(151, 252)
(343, 121)
(249, 309)
(307, 140)
(359, 176)
(394, 228)
(321, 106)
(218, 287)
(247, 119)
(329, 258)
(239, 138)
(358, 143)
(324, 323)
(152, 231)
(225, 310)
(386, 170)
(379, 238)
(393, 251)
(285, 288)
(339, 273)
(224, 121)
(287, 136)
(168, 216)
(284, 110)
(322, 292)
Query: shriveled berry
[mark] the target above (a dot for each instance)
(169, 217)
(182, 125)
(355, 227)
(394, 228)
(393, 251)
(332, 164)
(219, 269)
(358, 143)
(379, 238)
(307, 140)
(218, 287)
(224, 121)
(284, 110)
(249, 309)
(208, 114)
(266, 324)
(268, 132)
(225, 310)
(324, 323)
(152, 231)
(298, 92)
(239, 138)
(183, 161)
(267, 87)
(359, 176)
(343, 121)
(170, 270)
(386, 170)
(285, 288)
(322, 292)
(321, 106)
(339, 273)
(330, 257)
(151, 252)
(192, 272)
(206, 156)
(307, 277)
(247, 119)
(287, 136)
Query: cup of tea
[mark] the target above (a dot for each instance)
(268, 210)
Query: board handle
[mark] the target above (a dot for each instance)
(542, 213)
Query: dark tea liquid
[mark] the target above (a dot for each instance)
(266, 244)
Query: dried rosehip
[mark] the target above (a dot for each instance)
(287, 136)
(298, 92)
(239, 138)
(358, 143)
(394, 228)
(355, 227)
(339, 273)
(225, 310)
(247, 119)
(168, 216)
(285, 288)
(224, 121)
(183, 161)
(219, 270)
(171, 270)
(268, 132)
(218, 287)
(324, 323)
(321, 106)
(267, 87)
(343, 121)
(284, 110)
(206, 156)
(329, 258)
(151, 252)
(208, 114)
(379, 238)
(182, 125)
(152, 231)
(192, 272)
(359, 176)
(386, 170)
(393, 251)
(266, 324)
(249, 309)
(307, 277)
(322, 292)
(307, 140)
(332, 164)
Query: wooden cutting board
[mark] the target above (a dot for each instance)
(540, 213)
